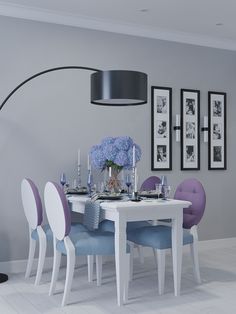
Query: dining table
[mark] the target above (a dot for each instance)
(123, 211)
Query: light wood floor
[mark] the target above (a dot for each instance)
(216, 294)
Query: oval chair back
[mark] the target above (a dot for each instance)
(150, 183)
(57, 210)
(31, 203)
(193, 191)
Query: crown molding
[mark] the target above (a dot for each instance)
(55, 17)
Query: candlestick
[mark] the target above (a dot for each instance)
(89, 165)
(135, 180)
(78, 157)
(133, 155)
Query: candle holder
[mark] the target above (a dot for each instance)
(79, 177)
(135, 197)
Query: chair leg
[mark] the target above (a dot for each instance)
(70, 266)
(42, 253)
(90, 259)
(161, 256)
(56, 267)
(99, 269)
(194, 255)
(32, 246)
(140, 253)
(131, 259)
(127, 276)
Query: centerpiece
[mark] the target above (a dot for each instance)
(113, 155)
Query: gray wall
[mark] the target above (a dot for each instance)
(46, 121)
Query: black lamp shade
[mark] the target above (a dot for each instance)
(118, 88)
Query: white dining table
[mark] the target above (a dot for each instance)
(122, 212)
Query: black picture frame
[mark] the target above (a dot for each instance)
(217, 126)
(190, 129)
(161, 128)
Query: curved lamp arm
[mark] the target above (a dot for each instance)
(108, 88)
(44, 72)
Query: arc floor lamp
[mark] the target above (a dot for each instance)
(108, 88)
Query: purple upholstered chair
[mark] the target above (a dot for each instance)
(150, 183)
(159, 237)
(34, 214)
(80, 244)
(37, 232)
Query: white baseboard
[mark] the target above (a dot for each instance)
(19, 266)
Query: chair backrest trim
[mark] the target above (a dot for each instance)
(32, 203)
(57, 209)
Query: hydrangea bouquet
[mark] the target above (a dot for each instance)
(117, 153)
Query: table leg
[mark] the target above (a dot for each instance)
(120, 256)
(177, 247)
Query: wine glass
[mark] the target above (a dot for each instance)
(128, 181)
(63, 179)
(158, 189)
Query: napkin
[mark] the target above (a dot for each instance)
(92, 214)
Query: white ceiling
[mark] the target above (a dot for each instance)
(186, 21)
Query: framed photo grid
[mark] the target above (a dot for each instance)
(190, 129)
(216, 131)
(161, 113)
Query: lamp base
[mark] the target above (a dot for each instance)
(3, 278)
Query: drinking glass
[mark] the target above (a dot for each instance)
(166, 190)
(63, 179)
(158, 189)
(128, 181)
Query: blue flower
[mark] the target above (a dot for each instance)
(114, 151)
(121, 158)
(123, 142)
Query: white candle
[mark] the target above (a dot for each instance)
(109, 172)
(133, 156)
(89, 166)
(205, 133)
(78, 157)
(135, 180)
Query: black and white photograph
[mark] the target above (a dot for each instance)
(161, 126)
(161, 153)
(217, 153)
(161, 104)
(161, 129)
(217, 108)
(190, 106)
(190, 153)
(190, 129)
(217, 131)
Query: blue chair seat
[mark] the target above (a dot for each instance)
(158, 237)
(75, 228)
(108, 225)
(91, 242)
